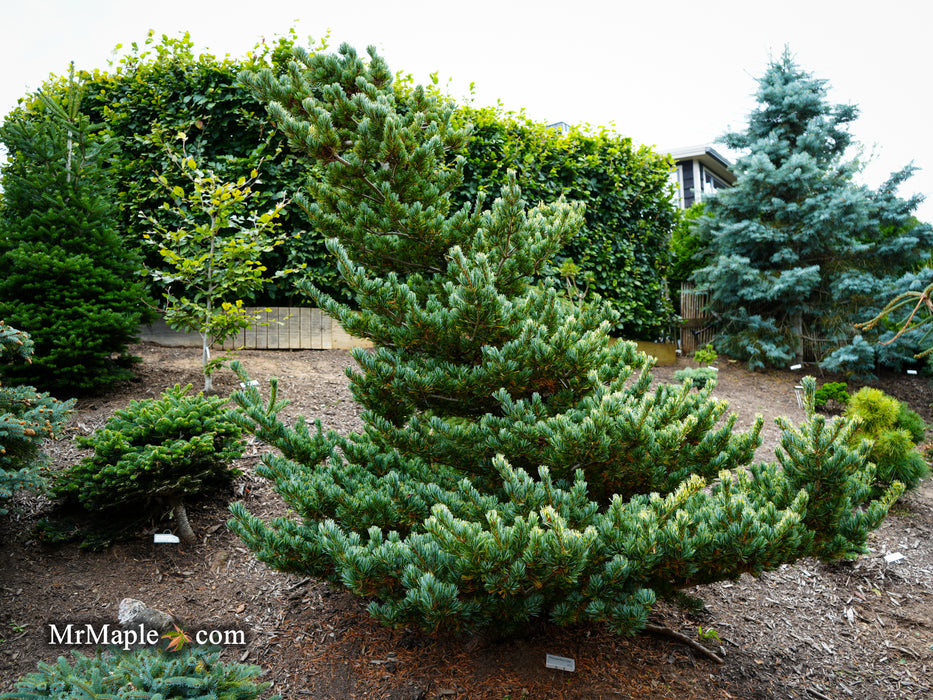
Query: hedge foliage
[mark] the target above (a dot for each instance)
(625, 239)
(164, 86)
(163, 89)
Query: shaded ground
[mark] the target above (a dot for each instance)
(854, 629)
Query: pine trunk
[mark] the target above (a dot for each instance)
(184, 527)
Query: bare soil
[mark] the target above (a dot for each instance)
(811, 630)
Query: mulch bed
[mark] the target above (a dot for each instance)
(851, 629)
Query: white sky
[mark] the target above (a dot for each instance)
(668, 73)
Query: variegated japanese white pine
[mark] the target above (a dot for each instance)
(515, 464)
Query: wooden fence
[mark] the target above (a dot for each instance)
(279, 328)
(301, 328)
(696, 330)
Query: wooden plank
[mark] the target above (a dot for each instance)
(249, 338)
(294, 328)
(290, 328)
(315, 337)
(343, 341)
(273, 328)
(160, 334)
(326, 325)
(303, 327)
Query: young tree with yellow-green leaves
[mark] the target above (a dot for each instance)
(211, 245)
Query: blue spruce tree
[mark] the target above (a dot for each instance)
(514, 464)
(797, 251)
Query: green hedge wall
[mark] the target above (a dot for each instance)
(163, 86)
(625, 241)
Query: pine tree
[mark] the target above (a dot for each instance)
(514, 464)
(67, 279)
(798, 251)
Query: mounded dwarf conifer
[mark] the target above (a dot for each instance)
(150, 457)
(514, 464)
(193, 672)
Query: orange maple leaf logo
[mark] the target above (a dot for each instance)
(178, 639)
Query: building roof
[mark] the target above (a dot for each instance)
(709, 158)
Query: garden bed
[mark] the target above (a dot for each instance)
(851, 629)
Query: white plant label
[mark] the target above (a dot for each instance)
(561, 663)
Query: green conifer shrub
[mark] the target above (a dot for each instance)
(894, 431)
(917, 303)
(514, 464)
(67, 279)
(698, 377)
(152, 455)
(912, 422)
(26, 419)
(141, 674)
(831, 391)
(706, 355)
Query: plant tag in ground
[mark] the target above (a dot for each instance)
(892, 557)
(561, 663)
(796, 366)
(911, 371)
(252, 382)
(165, 537)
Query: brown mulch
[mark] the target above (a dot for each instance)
(811, 630)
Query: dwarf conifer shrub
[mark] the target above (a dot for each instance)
(831, 391)
(514, 464)
(26, 419)
(912, 422)
(698, 377)
(141, 674)
(152, 455)
(894, 431)
(706, 355)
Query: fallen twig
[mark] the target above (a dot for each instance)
(683, 639)
(299, 583)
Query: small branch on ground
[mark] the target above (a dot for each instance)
(683, 639)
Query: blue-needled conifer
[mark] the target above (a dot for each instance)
(797, 250)
(514, 464)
